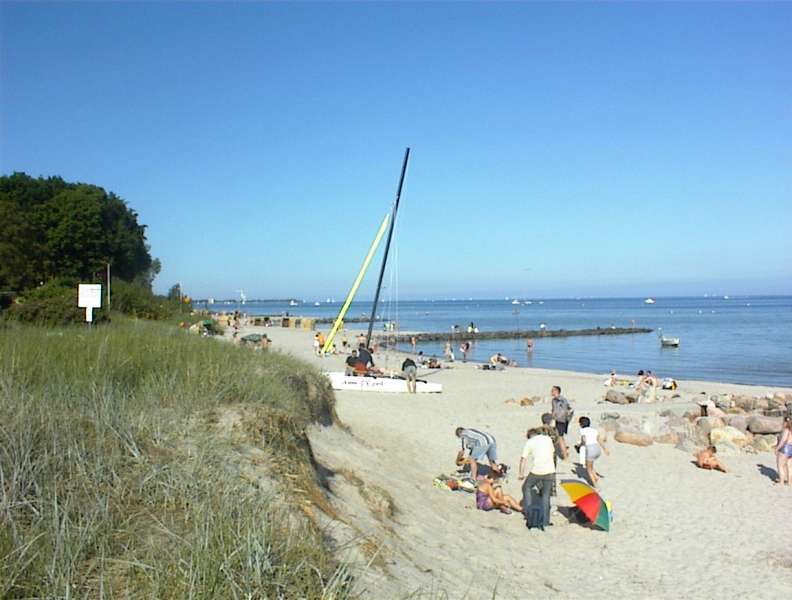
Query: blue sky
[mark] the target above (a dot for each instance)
(558, 149)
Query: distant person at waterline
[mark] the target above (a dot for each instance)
(464, 349)
(475, 446)
(448, 352)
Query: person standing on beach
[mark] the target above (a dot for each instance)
(464, 349)
(413, 343)
(475, 446)
(562, 412)
(316, 345)
(539, 484)
(449, 354)
(784, 453)
(364, 356)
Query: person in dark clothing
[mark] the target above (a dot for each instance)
(410, 371)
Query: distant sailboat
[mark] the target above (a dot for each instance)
(649, 301)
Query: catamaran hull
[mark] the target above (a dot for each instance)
(340, 381)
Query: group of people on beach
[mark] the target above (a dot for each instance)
(544, 445)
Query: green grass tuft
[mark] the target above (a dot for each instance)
(114, 481)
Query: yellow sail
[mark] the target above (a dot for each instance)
(340, 319)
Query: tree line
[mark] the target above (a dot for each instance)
(54, 234)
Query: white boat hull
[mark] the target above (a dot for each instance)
(669, 342)
(340, 381)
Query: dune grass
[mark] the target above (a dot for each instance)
(113, 484)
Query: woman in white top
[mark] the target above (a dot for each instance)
(595, 446)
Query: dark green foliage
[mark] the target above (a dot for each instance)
(54, 303)
(50, 228)
(137, 300)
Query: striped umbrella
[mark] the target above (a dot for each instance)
(589, 502)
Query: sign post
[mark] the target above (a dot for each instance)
(89, 296)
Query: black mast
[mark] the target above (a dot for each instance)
(387, 247)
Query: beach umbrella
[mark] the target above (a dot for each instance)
(589, 502)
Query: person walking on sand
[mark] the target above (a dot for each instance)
(538, 486)
(562, 413)
(594, 444)
(784, 453)
(448, 352)
(475, 446)
(413, 343)
(410, 373)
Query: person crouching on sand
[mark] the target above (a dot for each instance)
(706, 459)
(475, 446)
(489, 493)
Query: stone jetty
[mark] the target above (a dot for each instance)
(503, 335)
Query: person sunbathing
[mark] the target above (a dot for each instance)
(489, 493)
(706, 459)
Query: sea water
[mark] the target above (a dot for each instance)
(730, 339)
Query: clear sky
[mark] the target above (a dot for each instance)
(558, 149)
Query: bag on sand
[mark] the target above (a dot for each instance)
(535, 517)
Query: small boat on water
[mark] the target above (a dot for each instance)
(649, 301)
(669, 342)
(515, 301)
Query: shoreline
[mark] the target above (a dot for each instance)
(664, 506)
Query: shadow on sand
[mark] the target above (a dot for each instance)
(768, 472)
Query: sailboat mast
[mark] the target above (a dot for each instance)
(387, 247)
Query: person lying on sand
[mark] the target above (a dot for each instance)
(489, 493)
(706, 459)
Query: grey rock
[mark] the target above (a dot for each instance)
(738, 422)
(616, 397)
(707, 424)
(757, 424)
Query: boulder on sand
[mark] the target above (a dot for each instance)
(738, 422)
(707, 424)
(727, 449)
(757, 424)
(636, 439)
(667, 438)
(618, 397)
(764, 443)
(728, 435)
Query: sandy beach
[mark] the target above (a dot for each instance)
(678, 531)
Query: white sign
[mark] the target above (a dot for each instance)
(89, 296)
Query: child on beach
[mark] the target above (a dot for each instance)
(706, 459)
(594, 444)
(784, 453)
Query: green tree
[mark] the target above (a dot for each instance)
(50, 228)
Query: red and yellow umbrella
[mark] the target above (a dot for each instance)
(589, 502)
